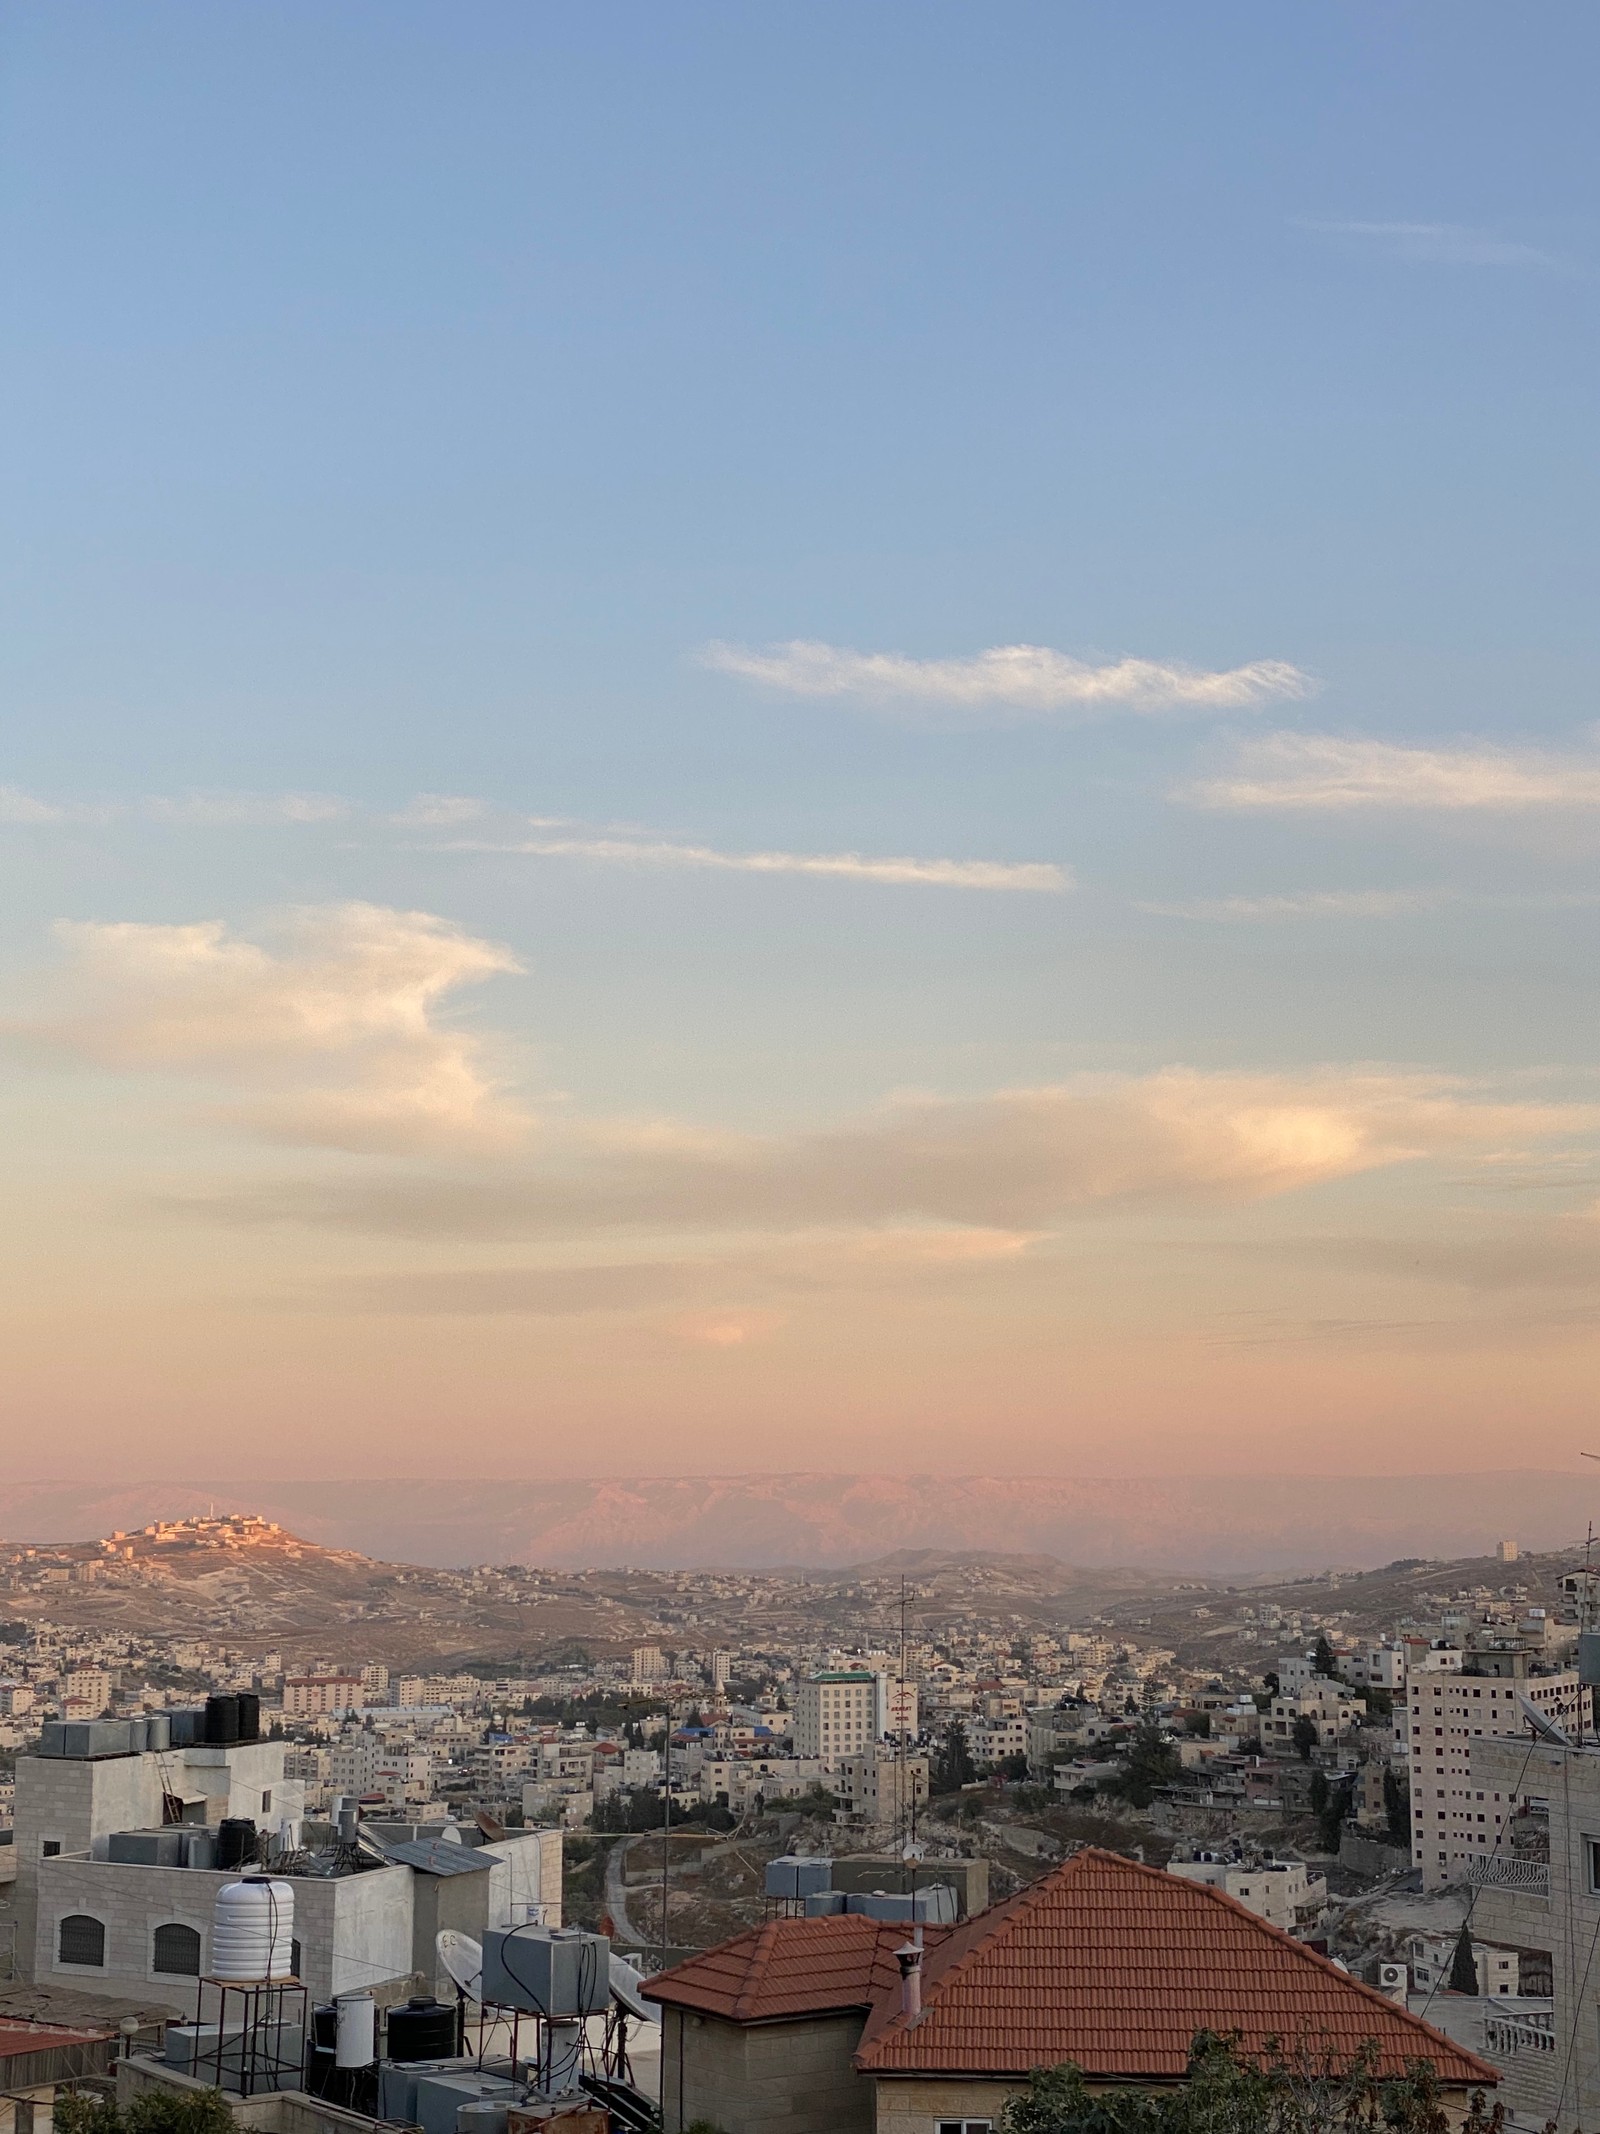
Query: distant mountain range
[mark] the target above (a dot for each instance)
(1210, 1524)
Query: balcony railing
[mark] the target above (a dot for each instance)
(1506, 2035)
(1500, 1872)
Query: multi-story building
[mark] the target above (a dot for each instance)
(1325, 1705)
(1454, 1819)
(839, 1713)
(649, 1664)
(1276, 1890)
(86, 1692)
(307, 1695)
(882, 1788)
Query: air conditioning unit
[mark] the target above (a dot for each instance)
(1392, 1982)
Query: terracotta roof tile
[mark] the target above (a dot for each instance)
(789, 1967)
(1116, 1966)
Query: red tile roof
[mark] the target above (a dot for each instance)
(789, 1967)
(1116, 1966)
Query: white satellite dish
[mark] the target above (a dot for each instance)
(625, 1984)
(462, 1957)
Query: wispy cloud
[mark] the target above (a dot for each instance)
(1022, 681)
(197, 810)
(1018, 1161)
(1329, 772)
(1308, 904)
(1032, 875)
(1451, 244)
(326, 1036)
(438, 811)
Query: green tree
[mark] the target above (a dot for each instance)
(1397, 1808)
(152, 2111)
(1322, 1659)
(1149, 1760)
(1228, 2092)
(1464, 1965)
(1304, 1736)
(952, 1766)
(1318, 1791)
(1331, 1821)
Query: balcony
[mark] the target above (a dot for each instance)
(1502, 1872)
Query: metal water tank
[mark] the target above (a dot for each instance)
(249, 1715)
(252, 1931)
(357, 2037)
(421, 2029)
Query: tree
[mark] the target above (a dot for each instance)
(1318, 1791)
(1270, 1682)
(1149, 1760)
(1229, 2093)
(1464, 1965)
(1334, 1810)
(1397, 1808)
(952, 1766)
(1304, 1736)
(1322, 1659)
(152, 2111)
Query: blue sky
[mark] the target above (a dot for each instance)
(403, 398)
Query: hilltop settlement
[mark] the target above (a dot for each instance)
(799, 1813)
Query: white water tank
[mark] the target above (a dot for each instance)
(252, 1931)
(356, 2040)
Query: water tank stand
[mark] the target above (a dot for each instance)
(257, 2028)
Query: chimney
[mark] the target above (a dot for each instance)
(909, 1958)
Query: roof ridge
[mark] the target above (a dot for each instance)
(1326, 1963)
(760, 1956)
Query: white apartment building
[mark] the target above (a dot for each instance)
(1453, 1821)
(649, 1664)
(1431, 1957)
(839, 1713)
(1328, 1705)
(1279, 1891)
(1377, 1666)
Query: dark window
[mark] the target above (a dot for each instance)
(177, 1951)
(294, 1957)
(50, 1849)
(266, 1804)
(83, 1941)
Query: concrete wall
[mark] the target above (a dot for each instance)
(525, 1868)
(353, 1932)
(763, 2078)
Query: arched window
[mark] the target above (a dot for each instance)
(83, 1941)
(177, 1951)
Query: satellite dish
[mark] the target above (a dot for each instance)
(625, 1984)
(1546, 1729)
(462, 1957)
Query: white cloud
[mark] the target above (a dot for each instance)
(17, 806)
(327, 1038)
(1025, 680)
(1328, 772)
(1454, 244)
(1309, 904)
(845, 866)
(1017, 1162)
(225, 810)
(438, 810)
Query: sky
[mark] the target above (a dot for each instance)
(760, 737)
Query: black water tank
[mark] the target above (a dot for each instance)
(421, 2029)
(236, 1841)
(222, 1721)
(249, 1715)
(325, 2025)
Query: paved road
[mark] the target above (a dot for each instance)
(617, 1895)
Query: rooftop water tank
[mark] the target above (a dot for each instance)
(252, 1931)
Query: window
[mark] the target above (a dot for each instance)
(965, 2126)
(266, 1803)
(50, 1849)
(1591, 1853)
(294, 1957)
(82, 1940)
(176, 1951)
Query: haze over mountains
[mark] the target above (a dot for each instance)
(1210, 1524)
